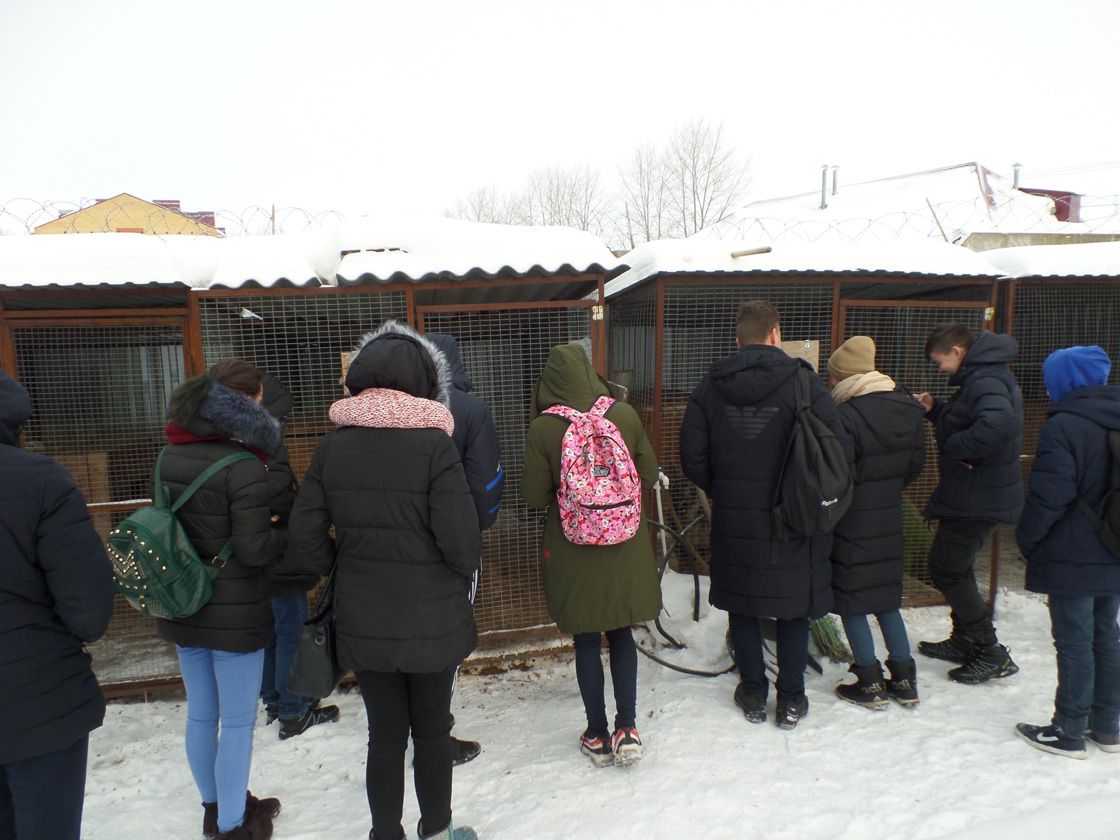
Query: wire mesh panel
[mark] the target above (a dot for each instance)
(900, 334)
(504, 351)
(100, 395)
(299, 339)
(699, 329)
(632, 339)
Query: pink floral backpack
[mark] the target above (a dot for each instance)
(600, 493)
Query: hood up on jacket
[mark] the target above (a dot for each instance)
(567, 379)
(209, 410)
(15, 409)
(1072, 368)
(752, 374)
(398, 358)
(988, 349)
(460, 379)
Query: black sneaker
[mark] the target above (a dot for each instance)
(791, 710)
(271, 713)
(954, 649)
(1105, 742)
(290, 727)
(990, 663)
(752, 704)
(464, 751)
(1052, 739)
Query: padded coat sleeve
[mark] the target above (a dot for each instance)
(538, 485)
(255, 541)
(993, 419)
(483, 466)
(312, 548)
(1052, 488)
(452, 512)
(694, 441)
(72, 558)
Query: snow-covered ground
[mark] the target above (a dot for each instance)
(950, 768)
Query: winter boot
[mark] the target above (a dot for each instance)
(463, 832)
(1109, 743)
(956, 648)
(256, 827)
(988, 663)
(902, 687)
(464, 751)
(752, 703)
(1052, 739)
(270, 807)
(868, 689)
(597, 748)
(790, 710)
(626, 746)
(290, 727)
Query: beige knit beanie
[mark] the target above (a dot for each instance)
(853, 357)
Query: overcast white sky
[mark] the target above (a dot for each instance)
(375, 106)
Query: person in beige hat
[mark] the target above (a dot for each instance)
(867, 548)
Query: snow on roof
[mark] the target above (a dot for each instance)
(946, 203)
(700, 256)
(390, 250)
(1093, 259)
(199, 262)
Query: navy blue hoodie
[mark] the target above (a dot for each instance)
(1064, 555)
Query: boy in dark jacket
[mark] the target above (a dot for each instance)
(887, 431)
(476, 438)
(980, 440)
(1072, 473)
(733, 443)
(289, 592)
(56, 595)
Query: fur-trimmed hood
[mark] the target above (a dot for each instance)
(400, 359)
(209, 410)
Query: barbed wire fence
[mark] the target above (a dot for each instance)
(951, 221)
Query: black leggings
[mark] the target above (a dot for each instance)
(397, 704)
(624, 675)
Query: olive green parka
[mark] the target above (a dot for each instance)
(588, 588)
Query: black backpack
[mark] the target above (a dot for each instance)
(815, 486)
(1107, 515)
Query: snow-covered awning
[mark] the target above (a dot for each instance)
(719, 257)
(1092, 259)
(389, 251)
(133, 259)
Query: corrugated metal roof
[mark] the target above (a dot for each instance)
(701, 257)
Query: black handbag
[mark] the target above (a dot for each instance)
(315, 672)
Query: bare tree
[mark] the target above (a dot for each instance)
(645, 208)
(484, 204)
(706, 175)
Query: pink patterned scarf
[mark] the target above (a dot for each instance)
(383, 408)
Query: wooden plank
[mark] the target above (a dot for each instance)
(120, 312)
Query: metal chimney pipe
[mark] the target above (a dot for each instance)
(824, 187)
(1016, 168)
(835, 174)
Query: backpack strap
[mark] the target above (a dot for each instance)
(222, 557)
(601, 406)
(565, 411)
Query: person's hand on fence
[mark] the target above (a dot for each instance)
(662, 479)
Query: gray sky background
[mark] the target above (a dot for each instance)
(380, 106)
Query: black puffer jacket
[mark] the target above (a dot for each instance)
(733, 443)
(56, 593)
(980, 437)
(406, 534)
(206, 423)
(475, 436)
(282, 489)
(867, 547)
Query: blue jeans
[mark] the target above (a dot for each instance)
(221, 688)
(41, 797)
(858, 630)
(624, 678)
(288, 613)
(1087, 639)
(793, 655)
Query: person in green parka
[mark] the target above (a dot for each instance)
(592, 589)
